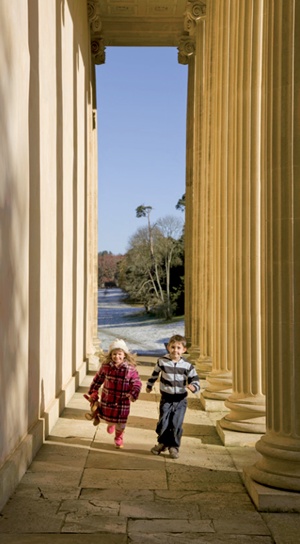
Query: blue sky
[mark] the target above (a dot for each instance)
(141, 104)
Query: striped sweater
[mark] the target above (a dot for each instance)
(174, 376)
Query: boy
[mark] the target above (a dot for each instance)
(176, 375)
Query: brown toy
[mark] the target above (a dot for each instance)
(93, 415)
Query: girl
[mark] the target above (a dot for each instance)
(121, 385)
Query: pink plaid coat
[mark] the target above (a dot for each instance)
(118, 383)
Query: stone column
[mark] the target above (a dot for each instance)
(92, 340)
(247, 402)
(197, 201)
(279, 465)
(203, 362)
(219, 381)
(189, 59)
(97, 58)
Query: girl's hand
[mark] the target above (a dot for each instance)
(131, 398)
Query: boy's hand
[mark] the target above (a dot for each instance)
(191, 387)
(131, 398)
(148, 389)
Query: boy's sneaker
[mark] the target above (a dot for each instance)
(174, 453)
(158, 448)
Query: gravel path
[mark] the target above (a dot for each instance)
(143, 334)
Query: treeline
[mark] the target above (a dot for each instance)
(108, 269)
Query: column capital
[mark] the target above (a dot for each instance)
(195, 10)
(98, 50)
(94, 17)
(186, 48)
(97, 45)
(92, 10)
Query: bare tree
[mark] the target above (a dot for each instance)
(145, 211)
(171, 229)
(136, 272)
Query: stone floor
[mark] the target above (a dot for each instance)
(80, 489)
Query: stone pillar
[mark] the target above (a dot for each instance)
(197, 267)
(247, 402)
(98, 58)
(203, 362)
(219, 381)
(184, 58)
(92, 340)
(279, 465)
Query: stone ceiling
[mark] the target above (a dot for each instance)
(138, 23)
(141, 22)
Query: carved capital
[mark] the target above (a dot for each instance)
(186, 48)
(98, 50)
(92, 10)
(93, 16)
(96, 25)
(195, 10)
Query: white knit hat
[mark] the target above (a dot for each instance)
(118, 344)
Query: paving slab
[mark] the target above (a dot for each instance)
(58, 456)
(26, 515)
(47, 491)
(94, 524)
(197, 538)
(285, 528)
(124, 479)
(42, 538)
(55, 478)
(154, 510)
(199, 478)
(182, 525)
(86, 507)
(247, 523)
(121, 460)
(118, 494)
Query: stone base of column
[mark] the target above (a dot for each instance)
(93, 363)
(247, 414)
(93, 354)
(16, 465)
(235, 438)
(213, 405)
(203, 366)
(193, 354)
(96, 343)
(270, 499)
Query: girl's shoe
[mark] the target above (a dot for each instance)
(119, 439)
(110, 429)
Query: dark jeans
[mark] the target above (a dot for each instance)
(169, 426)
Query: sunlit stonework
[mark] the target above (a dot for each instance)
(242, 251)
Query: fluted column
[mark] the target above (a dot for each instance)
(203, 362)
(219, 381)
(92, 340)
(197, 200)
(97, 57)
(189, 205)
(279, 465)
(247, 402)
